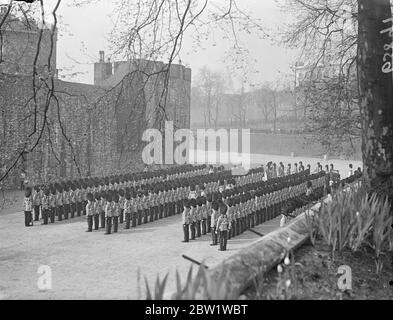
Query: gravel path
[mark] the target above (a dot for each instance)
(97, 266)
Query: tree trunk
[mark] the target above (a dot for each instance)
(375, 89)
(274, 111)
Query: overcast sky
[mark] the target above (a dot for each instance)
(83, 31)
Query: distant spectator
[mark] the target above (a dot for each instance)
(329, 198)
(350, 172)
(358, 173)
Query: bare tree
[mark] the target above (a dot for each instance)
(145, 30)
(211, 85)
(325, 85)
(347, 33)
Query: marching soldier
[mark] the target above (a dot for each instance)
(214, 217)
(97, 210)
(90, 211)
(193, 193)
(127, 209)
(36, 203)
(59, 203)
(165, 201)
(223, 227)
(156, 204)
(102, 207)
(252, 211)
(204, 215)
(209, 212)
(145, 206)
(116, 212)
(198, 216)
(66, 201)
(151, 206)
(172, 200)
(233, 216)
(45, 206)
(78, 200)
(134, 209)
(72, 200)
(108, 213)
(28, 207)
(159, 197)
(138, 201)
(186, 220)
(52, 204)
(179, 198)
(193, 217)
(85, 191)
(121, 204)
(238, 215)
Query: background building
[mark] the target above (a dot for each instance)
(89, 129)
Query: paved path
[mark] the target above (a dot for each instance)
(97, 266)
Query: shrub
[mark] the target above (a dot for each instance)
(352, 219)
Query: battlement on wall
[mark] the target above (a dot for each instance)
(109, 73)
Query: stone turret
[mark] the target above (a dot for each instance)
(102, 69)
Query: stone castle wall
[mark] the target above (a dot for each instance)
(87, 130)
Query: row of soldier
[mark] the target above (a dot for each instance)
(229, 214)
(53, 203)
(69, 198)
(164, 200)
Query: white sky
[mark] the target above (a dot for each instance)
(83, 31)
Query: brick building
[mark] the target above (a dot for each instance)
(78, 129)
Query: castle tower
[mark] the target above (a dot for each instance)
(102, 69)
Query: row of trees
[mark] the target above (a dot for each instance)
(215, 102)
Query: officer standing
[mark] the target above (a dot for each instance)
(28, 207)
(90, 211)
(45, 206)
(186, 220)
(214, 217)
(108, 213)
(127, 210)
(223, 227)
